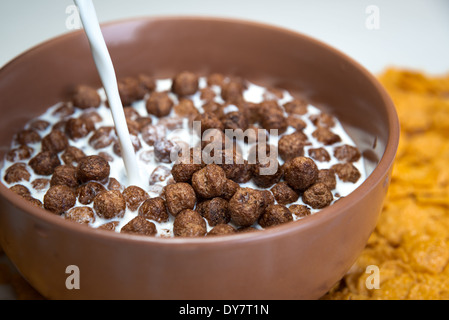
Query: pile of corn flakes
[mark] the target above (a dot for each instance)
(410, 245)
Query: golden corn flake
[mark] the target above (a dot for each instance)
(410, 245)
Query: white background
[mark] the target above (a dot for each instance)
(412, 33)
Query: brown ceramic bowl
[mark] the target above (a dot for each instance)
(298, 260)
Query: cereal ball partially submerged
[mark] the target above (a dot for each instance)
(17, 172)
(87, 192)
(102, 137)
(22, 152)
(246, 206)
(66, 175)
(20, 190)
(234, 165)
(216, 211)
(267, 173)
(185, 83)
(56, 141)
(189, 223)
(82, 215)
(178, 197)
(165, 150)
(86, 97)
(77, 128)
(319, 154)
(347, 172)
(140, 225)
(154, 209)
(159, 104)
(326, 136)
(283, 193)
(327, 176)
(152, 133)
(134, 196)
(72, 155)
(186, 166)
(209, 121)
(209, 181)
(300, 173)
(27, 136)
(318, 196)
(186, 109)
(221, 229)
(274, 215)
(296, 106)
(235, 120)
(44, 163)
(110, 204)
(292, 145)
(347, 153)
(299, 210)
(59, 199)
(93, 168)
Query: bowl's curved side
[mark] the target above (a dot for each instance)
(299, 260)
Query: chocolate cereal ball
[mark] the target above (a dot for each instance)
(17, 172)
(56, 141)
(299, 210)
(292, 145)
(267, 173)
(186, 166)
(66, 175)
(159, 104)
(110, 204)
(154, 209)
(347, 172)
(189, 223)
(72, 155)
(209, 121)
(82, 215)
(229, 189)
(88, 191)
(209, 181)
(283, 193)
(221, 229)
(300, 173)
(20, 153)
(326, 136)
(59, 199)
(216, 211)
(179, 196)
(86, 97)
(44, 163)
(327, 176)
(274, 215)
(185, 83)
(347, 153)
(246, 206)
(318, 196)
(139, 225)
(134, 196)
(93, 168)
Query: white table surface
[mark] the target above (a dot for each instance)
(411, 33)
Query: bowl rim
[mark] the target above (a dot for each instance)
(282, 230)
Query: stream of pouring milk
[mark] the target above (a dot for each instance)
(106, 71)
